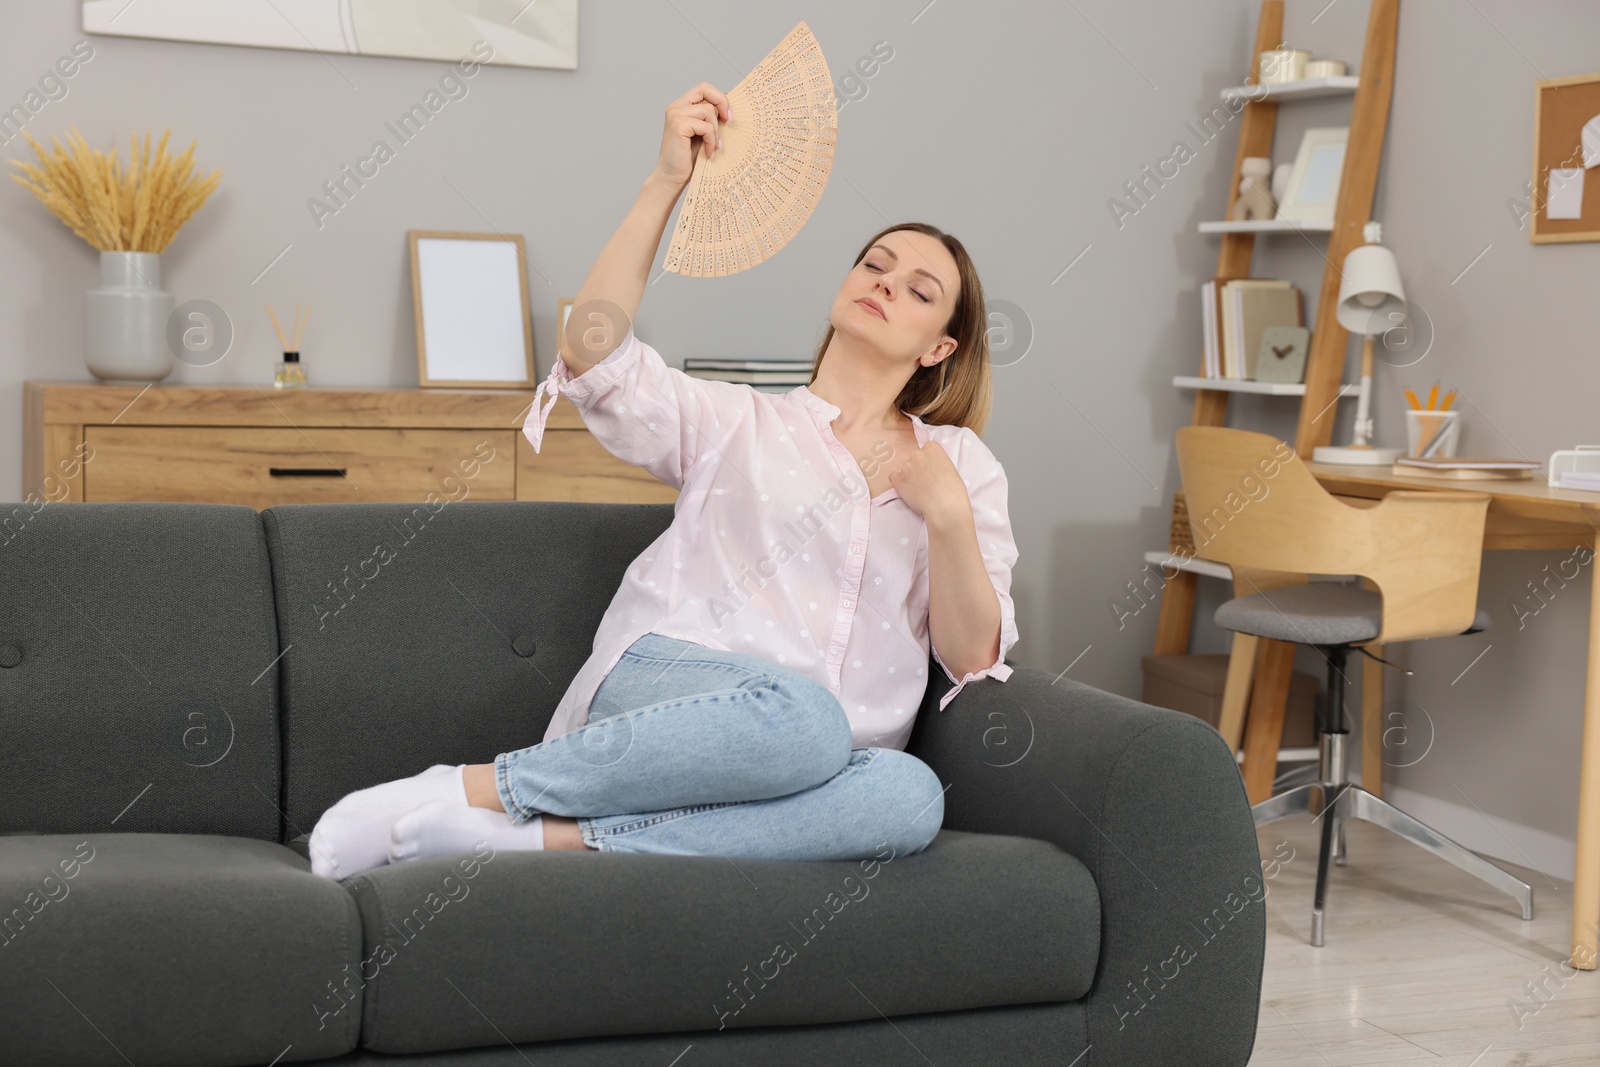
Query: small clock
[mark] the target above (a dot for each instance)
(1282, 357)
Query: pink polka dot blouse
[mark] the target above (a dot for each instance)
(775, 548)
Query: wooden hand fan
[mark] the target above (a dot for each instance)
(744, 204)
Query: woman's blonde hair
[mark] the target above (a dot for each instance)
(958, 390)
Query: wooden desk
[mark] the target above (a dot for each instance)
(1530, 515)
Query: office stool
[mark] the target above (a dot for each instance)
(1253, 505)
(1331, 617)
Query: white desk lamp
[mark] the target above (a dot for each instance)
(1371, 302)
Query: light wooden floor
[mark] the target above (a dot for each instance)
(1419, 964)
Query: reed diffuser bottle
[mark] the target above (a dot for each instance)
(289, 373)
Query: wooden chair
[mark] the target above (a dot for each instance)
(1254, 506)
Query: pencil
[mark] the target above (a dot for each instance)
(1449, 398)
(1411, 398)
(1433, 396)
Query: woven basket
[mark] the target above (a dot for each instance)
(1181, 539)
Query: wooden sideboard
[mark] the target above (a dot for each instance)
(258, 446)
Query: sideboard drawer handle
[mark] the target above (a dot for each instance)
(307, 472)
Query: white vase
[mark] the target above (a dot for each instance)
(125, 331)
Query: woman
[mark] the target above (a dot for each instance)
(755, 679)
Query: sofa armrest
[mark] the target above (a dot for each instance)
(1152, 802)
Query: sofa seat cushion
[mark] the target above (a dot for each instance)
(488, 947)
(173, 949)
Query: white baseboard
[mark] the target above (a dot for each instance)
(1495, 837)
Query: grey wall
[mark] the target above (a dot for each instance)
(1012, 125)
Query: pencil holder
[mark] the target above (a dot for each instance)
(1432, 433)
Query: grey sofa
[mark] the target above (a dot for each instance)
(185, 688)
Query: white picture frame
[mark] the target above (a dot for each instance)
(469, 31)
(469, 293)
(1313, 190)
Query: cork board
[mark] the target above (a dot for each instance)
(1561, 107)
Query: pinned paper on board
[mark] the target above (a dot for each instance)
(1566, 146)
(1564, 198)
(1591, 142)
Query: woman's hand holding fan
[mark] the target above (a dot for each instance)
(691, 131)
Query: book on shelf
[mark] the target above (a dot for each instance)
(1464, 468)
(1208, 328)
(1250, 306)
(1235, 312)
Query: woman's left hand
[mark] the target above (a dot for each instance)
(930, 484)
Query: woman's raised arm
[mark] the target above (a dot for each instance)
(603, 311)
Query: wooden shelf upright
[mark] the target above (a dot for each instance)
(1260, 669)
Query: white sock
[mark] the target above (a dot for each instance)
(353, 835)
(438, 828)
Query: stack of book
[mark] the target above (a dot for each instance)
(765, 375)
(1236, 311)
(1464, 468)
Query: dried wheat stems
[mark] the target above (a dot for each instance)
(139, 209)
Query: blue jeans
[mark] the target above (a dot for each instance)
(690, 750)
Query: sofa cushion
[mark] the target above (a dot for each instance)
(138, 671)
(174, 949)
(417, 635)
(1034, 1035)
(485, 948)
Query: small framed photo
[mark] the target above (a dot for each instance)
(470, 295)
(1314, 183)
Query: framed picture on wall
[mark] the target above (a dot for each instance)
(468, 31)
(1313, 188)
(470, 296)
